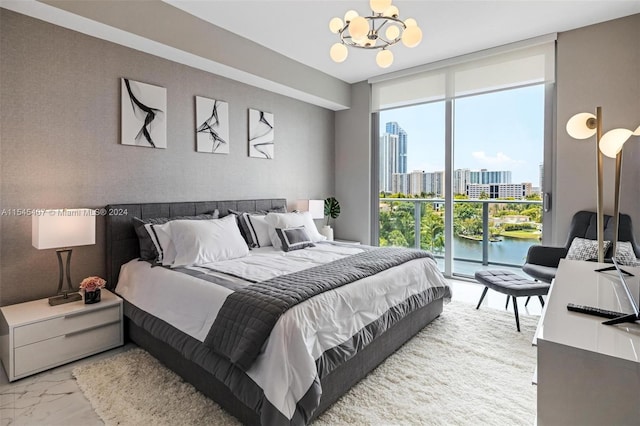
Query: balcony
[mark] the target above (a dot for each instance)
(487, 233)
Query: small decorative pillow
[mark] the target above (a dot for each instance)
(294, 238)
(625, 254)
(584, 249)
(290, 220)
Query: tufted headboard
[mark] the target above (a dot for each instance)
(122, 241)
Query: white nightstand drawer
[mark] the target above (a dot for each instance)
(47, 353)
(70, 323)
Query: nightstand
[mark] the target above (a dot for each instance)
(35, 336)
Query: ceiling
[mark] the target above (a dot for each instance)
(299, 29)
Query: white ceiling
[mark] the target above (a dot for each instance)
(299, 29)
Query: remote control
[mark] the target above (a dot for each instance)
(594, 311)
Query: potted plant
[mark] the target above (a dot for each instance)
(331, 211)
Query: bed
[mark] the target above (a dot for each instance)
(240, 390)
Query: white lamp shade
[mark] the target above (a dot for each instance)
(358, 27)
(63, 228)
(335, 25)
(384, 58)
(379, 6)
(611, 143)
(412, 36)
(577, 126)
(338, 52)
(315, 207)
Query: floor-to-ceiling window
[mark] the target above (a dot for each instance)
(461, 158)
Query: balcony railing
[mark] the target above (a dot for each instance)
(478, 248)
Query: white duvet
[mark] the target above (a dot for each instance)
(286, 368)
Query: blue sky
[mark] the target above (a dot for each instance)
(496, 131)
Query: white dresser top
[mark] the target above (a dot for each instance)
(577, 282)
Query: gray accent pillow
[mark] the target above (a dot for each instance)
(625, 254)
(147, 248)
(584, 249)
(295, 238)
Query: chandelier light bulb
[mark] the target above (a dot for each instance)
(350, 15)
(392, 32)
(384, 58)
(335, 25)
(410, 22)
(379, 6)
(577, 126)
(412, 36)
(338, 52)
(358, 27)
(391, 11)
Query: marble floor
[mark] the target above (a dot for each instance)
(53, 398)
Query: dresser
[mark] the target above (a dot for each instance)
(587, 373)
(35, 336)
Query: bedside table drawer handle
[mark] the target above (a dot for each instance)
(84, 330)
(77, 314)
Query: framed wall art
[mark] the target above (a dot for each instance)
(261, 128)
(212, 126)
(144, 109)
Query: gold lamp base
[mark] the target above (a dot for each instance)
(64, 298)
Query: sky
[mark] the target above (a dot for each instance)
(495, 131)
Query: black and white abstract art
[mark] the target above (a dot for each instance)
(212, 126)
(144, 109)
(261, 127)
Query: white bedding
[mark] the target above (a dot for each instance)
(286, 368)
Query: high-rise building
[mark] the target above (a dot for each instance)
(387, 155)
(461, 178)
(541, 178)
(485, 176)
(393, 155)
(517, 191)
(401, 160)
(400, 183)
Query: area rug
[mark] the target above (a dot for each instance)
(468, 367)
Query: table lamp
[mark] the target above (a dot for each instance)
(61, 229)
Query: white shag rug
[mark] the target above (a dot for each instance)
(468, 367)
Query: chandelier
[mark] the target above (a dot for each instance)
(379, 31)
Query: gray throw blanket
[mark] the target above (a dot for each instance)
(249, 314)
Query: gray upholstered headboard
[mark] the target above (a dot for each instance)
(122, 242)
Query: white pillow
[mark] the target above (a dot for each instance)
(584, 249)
(204, 241)
(161, 238)
(259, 229)
(292, 220)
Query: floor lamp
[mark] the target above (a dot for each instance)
(584, 125)
(611, 145)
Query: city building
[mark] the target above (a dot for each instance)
(516, 191)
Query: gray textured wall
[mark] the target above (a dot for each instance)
(598, 65)
(353, 164)
(60, 143)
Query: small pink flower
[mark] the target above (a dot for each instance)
(92, 283)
